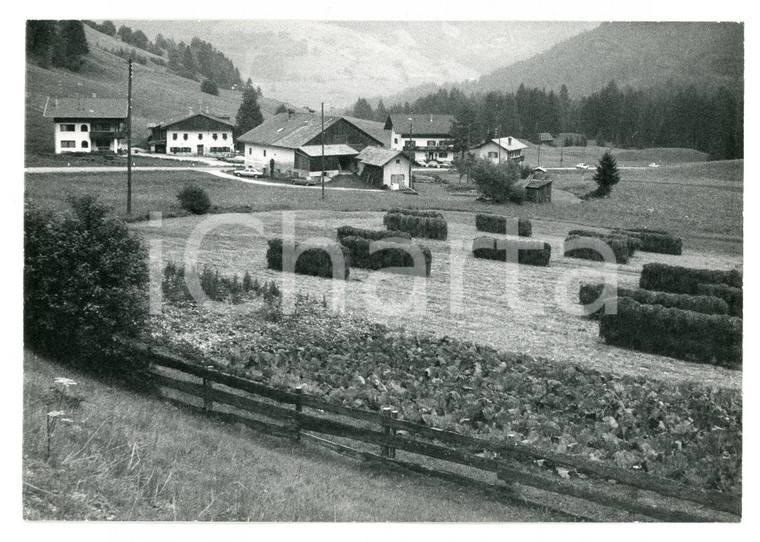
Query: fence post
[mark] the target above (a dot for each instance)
(208, 404)
(394, 415)
(385, 451)
(299, 409)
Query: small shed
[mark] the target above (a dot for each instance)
(545, 138)
(383, 167)
(539, 190)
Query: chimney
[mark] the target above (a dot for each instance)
(431, 117)
(190, 107)
(509, 141)
(207, 110)
(56, 101)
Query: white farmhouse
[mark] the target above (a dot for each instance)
(428, 137)
(197, 134)
(88, 124)
(504, 148)
(383, 167)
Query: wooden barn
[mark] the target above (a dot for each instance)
(308, 159)
(539, 190)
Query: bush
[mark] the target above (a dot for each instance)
(731, 295)
(682, 280)
(194, 199)
(417, 226)
(372, 235)
(618, 245)
(706, 338)
(661, 243)
(698, 303)
(632, 242)
(387, 257)
(85, 280)
(498, 224)
(315, 261)
(528, 252)
(413, 212)
(496, 182)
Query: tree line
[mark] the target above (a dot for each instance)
(62, 44)
(710, 121)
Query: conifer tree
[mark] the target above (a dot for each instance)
(607, 174)
(249, 115)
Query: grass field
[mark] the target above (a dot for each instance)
(569, 156)
(483, 313)
(700, 202)
(99, 160)
(126, 456)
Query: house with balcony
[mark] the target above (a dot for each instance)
(88, 124)
(291, 143)
(503, 148)
(198, 134)
(425, 137)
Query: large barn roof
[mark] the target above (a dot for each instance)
(222, 120)
(287, 130)
(375, 156)
(375, 129)
(86, 108)
(422, 124)
(330, 150)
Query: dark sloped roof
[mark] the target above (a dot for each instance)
(284, 130)
(538, 183)
(330, 150)
(507, 143)
(375, 129)
(86, 108)
(545, 136)
(422, 124)
(222, 120)
(375, 156)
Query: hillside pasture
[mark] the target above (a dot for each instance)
(483, 311)
(558, 156)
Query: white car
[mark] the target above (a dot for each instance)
(249, 172)
(582, 166)
(654, 164)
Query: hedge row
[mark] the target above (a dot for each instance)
(661, 243)
(731, 295)
(372, 235)
(647, 230)
(387, 257)
(415, 212)
(682, 280)
(618, 245)
(633, 242)
(418, 226)
(704, 304)
(707, 338)
(498, 224)
(528, 252)
(314, 261)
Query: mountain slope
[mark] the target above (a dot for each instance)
(632, 53)
(158, 94)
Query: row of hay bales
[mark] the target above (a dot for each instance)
(623, 243)
(691, 314)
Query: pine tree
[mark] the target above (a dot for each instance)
(249, 115)
(362, 110)
(607, 174)
(381, 115)
(281, 109)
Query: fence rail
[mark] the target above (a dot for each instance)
(512, 462)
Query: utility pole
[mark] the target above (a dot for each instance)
(323, 150)
(539, 152)
(561, 151)
(129, 140)
(411, 150)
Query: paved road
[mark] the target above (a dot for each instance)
(224, 175)
(110, 169)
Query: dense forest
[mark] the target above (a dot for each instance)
(62, 44)
(710, 121)
(198, 60)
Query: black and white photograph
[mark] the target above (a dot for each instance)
(380, 264)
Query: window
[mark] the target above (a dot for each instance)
(250, 150)
(443, 154)
(493, 154)
(395, 140)
(398, 161)
(431, 143)
(184, 136)
(265, 152)
(200, 136)
(215, 136)
(397, 179)
(174, 137)
(174, 150)
(68, 144)
(85, 144)
(224, 136)
(85, 128)
(68, 128)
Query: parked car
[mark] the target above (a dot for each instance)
(249, 172)
(308, 181)
(654, 164)
(433, 163)
(582, 166)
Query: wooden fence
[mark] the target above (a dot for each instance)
(514, 463)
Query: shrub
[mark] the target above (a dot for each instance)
(85, 280)
(415, 212)
(194, 199)
(661, 243)
(387, 257)
(632, 242)
(731, 295)
(698, 303)
(372, 235)
(618, 245)
(315, 261)
(496, 182)
(528, 252)
(498, 224)
(683, 280)
(417, 226)
(706, 338)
